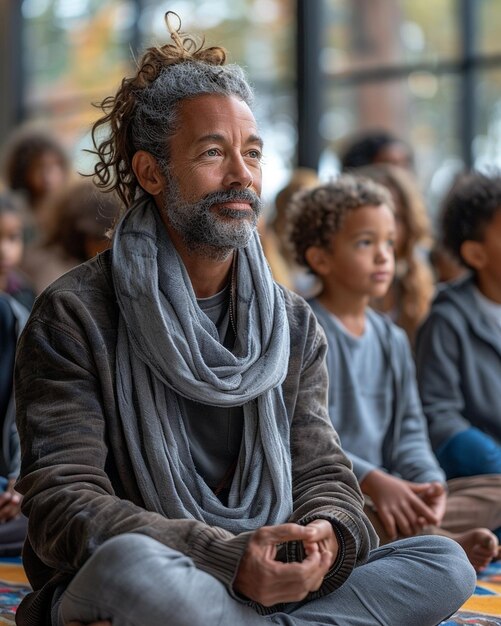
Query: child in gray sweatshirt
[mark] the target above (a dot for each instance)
(458, 349)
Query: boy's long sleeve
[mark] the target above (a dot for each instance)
(412, 457)
(438, 354)
(458, 362)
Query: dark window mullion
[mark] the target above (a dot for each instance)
(11, 70)
(395, 72)
(467, 113)
(309, 81)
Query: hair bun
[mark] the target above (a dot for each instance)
(187, 47)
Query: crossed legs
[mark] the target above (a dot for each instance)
(136, 581)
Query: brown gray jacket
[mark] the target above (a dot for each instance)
(77, 480)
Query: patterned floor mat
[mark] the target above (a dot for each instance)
(482, 609)
(484, 606)
(13, 588)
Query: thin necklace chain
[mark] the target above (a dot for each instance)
(233, 293)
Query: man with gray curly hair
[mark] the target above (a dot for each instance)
(179, 466)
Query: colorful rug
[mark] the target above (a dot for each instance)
(13, 588)
(482, 609)
(484, 606)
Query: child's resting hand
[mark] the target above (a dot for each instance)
(400, 504)
(435, 496)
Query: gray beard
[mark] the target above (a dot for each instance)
(213, 234)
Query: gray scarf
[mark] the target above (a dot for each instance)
(168, 346)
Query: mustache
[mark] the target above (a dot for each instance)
(232, 195)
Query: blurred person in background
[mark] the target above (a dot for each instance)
(35, 164)
(78, 217)
(13, 525)
(446, 267)
(12, 224)
(278, 265)
(458, 347)
(408, 300)
(376, 146)
(276, 246)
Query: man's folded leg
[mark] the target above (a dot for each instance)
(417, 582)
(136, 581)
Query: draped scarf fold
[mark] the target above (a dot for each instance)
(168, 346)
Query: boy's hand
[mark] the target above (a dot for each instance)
(263, 579)
(435, 497)
(400, 504)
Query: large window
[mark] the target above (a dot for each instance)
(74, 53)
(429, 71)
(77, 51)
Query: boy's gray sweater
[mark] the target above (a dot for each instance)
(405, 449)
(458, 360)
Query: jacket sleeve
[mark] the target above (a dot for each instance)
(361, 467)
(412, 457)
(68, 496)
(324, 485)
(438, 352)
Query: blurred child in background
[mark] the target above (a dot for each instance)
(35, 165)
(376, 146)
(276, 245)
(458, 349)
(13, 525)
(78, 218)
(12, 224)
(446, 267)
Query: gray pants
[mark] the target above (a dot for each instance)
(136, 581)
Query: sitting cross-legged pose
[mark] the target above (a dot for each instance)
(345, 233)
(178, 462)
